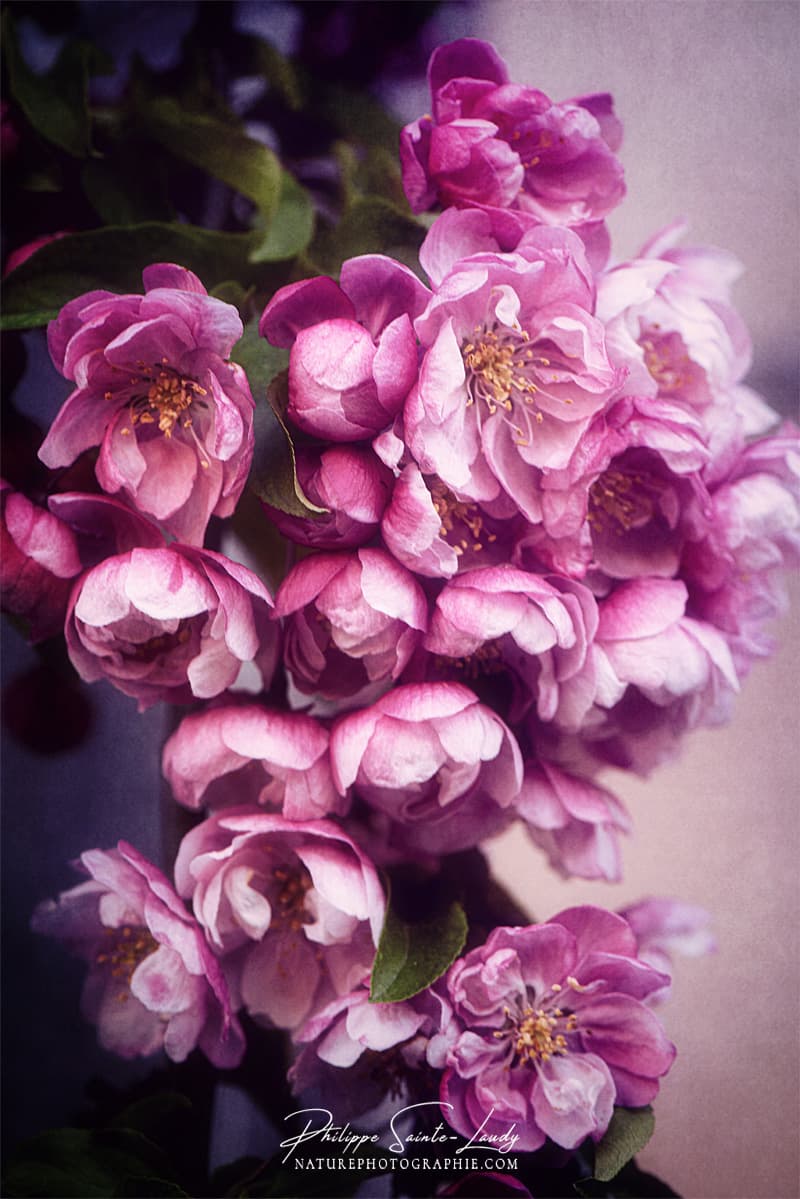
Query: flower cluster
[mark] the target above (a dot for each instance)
(554, 523)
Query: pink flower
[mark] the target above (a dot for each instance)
(153, 982)
(631, 497)
(652, 674)
(353, 351)
(358, 1052)
(574, 821)
(735, 573)
(352, 621)
(173, 419)
(498, 144)
(514, 369)
(174, 624)
(502, 618)
(551, 1031)
(432, 532)
(443, 766)
(296, 907)
(670, 322)
(38, 563)
(248, 754)
(351, 483)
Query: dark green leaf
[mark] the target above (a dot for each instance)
(121, 193)
(147, 1115)
(273, 476)
(629, 1131)
(219, 147)
(371, 225)
(630, 1183)
(149, 1188)
(291, 225)
(232, 292)
(412, 956)
(113, 258)
(358, 116)
(261, 361)
(47, 177)
(80, 1163)
(54, 103)
(279, 73)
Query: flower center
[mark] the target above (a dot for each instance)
(290, 905)
(128, 946)
(501, 368)
(166, 400)
(622, 500)
(535, 1034)
(462, 524)
(487, 659)
(162, 396)
(161, 643)
(535, 1038)
(667, 361)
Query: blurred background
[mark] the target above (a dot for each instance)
(709, 95)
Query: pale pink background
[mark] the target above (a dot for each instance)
(708, 92)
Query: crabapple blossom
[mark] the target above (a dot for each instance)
(357, 1052)
(432, 532)
(441, 765)
(295, 907)
(352, 621)
(172, 417)
(351, 483)
(500, 618)
(353, 352)
(153, 982)
(655, 673)
(735, 572)
(240, 753)
(576, 822)
(550, 1031)
(175, 623)
(513, 370)
(498, 144)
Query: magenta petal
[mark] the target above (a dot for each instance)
(301, 305)
(573, 1098)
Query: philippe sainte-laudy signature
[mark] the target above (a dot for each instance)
(319, 1127)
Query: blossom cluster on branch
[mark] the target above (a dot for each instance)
(541, 529)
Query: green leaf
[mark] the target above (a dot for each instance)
(412, 956)
(219, 147)
(279, 73)
(291, 225)
(80, 1163)
(148, 1115)
(121, 193)
(55, 103)
(358, 116)
(629, 1131)
(149, 1188)
(113, 259)
(261, 360)
(273, 476)
(371, 225)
